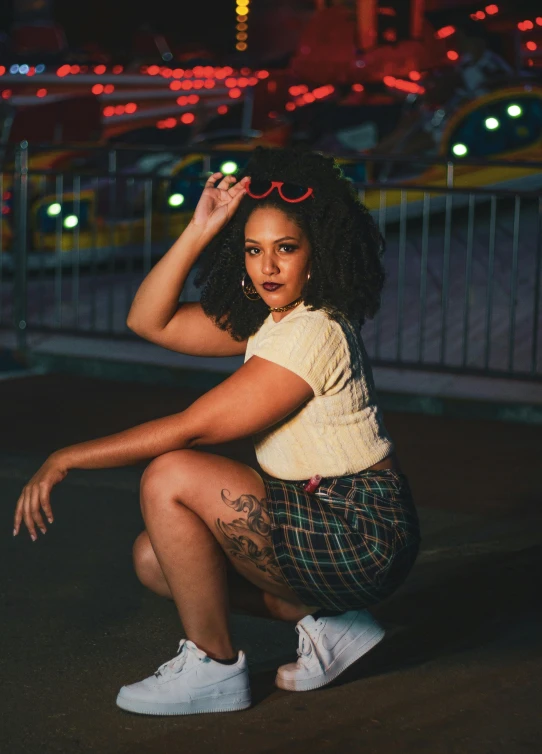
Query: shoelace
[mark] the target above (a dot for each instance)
(174, 666)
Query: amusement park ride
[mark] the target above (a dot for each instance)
(372, 50)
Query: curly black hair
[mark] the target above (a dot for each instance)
(347, 275)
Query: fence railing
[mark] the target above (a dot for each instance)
(463, 263)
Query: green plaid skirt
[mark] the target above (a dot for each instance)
(350, 543)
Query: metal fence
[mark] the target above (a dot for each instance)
(463, 264)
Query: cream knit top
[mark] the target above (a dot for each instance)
(340, 430)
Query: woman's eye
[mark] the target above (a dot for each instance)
(250, 249)
(288, 247)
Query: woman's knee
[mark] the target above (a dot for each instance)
(146, 565)
(162, 474)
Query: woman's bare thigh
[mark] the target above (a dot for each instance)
(230, 498)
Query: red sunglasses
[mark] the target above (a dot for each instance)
(290, 192)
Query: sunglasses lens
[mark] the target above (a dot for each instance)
(293, 191)
(259, 187)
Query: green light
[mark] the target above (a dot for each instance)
(514, 111)
(460, 150)
(54, 209)
(175, 200)
(491, 123)
(228, 167)
(71, 221)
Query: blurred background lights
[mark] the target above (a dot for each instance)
(175, 200)
(54, 209)
(228, 167)
(491, 123)
(460, 150)
(71, 221)
(514, 111)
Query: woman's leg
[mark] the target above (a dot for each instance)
(199, 509)
(244, 597)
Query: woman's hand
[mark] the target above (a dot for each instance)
(218, 203)
(35, 496)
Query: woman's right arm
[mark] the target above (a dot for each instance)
(156, 314)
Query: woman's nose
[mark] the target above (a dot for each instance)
(269, 264)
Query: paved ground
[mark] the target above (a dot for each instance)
(459, 672)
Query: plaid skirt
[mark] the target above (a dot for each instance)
(350, 543)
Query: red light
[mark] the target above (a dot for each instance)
(131, 107)
(31, 71)
(231, 82)
(97, 88)
(144, 69)
(175, 86)
(6, 94)
(263, 74)
(222, 109)
(41, 93)
(198, 84)
(6, 196)
(527, 26)
(177, 73)
(389, 80)
(182, 101)
(252, 81)
(109, 89)
(492, 9)
(290, 106)
(235, 93)
(245, 71)
(117, 69)
(119, 110)
(452, 55)
(309, 98)
(415, 75)
(387, 11)
(242, 82)
(189, 72)
(531, 46)
(273, 114)
(193, 99)
(153, 70)
(74, 69)
(109, 111)
(63, 70)
(358, 87)
(2, 70)
(390, 35)
(209, 84)
(538, 20)
(170, 123)
(166, 72)
(446, 31)
(99, 69)
(520, 26)
(187, 118)
(186, 85)
(6, 210)
(198, 71)
(478, 16)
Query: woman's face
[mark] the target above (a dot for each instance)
(276, 251)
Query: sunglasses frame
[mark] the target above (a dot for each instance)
(278, 185)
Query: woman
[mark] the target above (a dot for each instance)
(292, 270)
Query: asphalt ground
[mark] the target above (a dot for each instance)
(458, 673)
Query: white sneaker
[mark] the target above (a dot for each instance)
(190, 683)
(327, 647)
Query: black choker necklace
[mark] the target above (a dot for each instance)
(287, 307)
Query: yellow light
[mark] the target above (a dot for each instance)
(71, 221)
(242, 27)
(242, 36)
(242, 3)
(54, 209)
(242, 10)
(241, 46)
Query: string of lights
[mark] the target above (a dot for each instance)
(242, 10)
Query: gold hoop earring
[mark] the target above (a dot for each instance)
(308, 276)
(249, 290)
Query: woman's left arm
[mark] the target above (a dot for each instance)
(255, 397)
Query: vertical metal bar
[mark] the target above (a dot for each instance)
(423, 273)
(131, 190)
(58, 251)
(147, 248)
(20, 186)
(490, 277)
(536, 311)
(446, 275)
(468, 280)
(42, 283)
(382, 229)
(514, 284)
(76, 259)
(401, 262)
(112, 178)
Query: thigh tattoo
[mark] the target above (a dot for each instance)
(244, 535)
